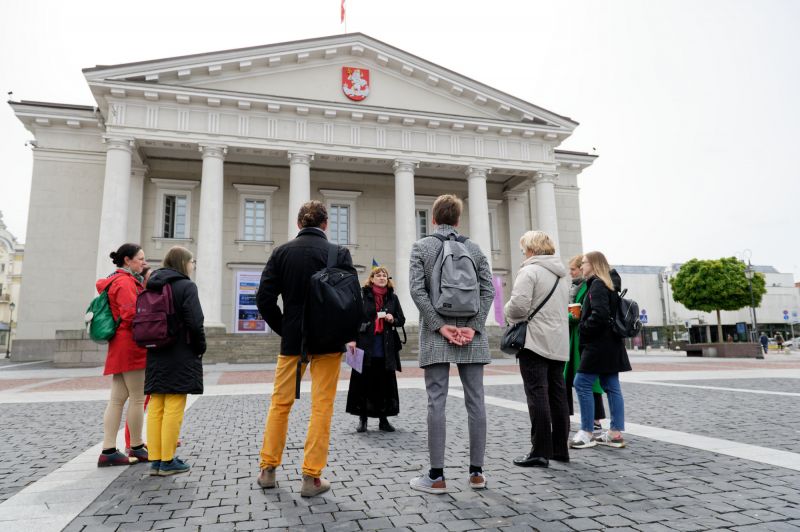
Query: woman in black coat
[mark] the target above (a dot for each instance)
(373, 393)
(602, 351)
(174, 371)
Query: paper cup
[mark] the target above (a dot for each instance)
(575, 310)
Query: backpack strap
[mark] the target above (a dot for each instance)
(332, 260)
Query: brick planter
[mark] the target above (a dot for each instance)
(724, 350)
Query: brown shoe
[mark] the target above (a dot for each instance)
(266, 479)
(477, 481)
(312, 486)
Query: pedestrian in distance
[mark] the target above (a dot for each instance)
(125, 360)
(779, 341)
(764, 342)
(603, 353)
(446, 339)
(373, 392)
(176, 370)
(287, 274)
(541, 288)
(577, 295)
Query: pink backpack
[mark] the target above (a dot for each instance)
(155, 325)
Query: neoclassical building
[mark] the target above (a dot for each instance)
(217, 151)
(11, 253)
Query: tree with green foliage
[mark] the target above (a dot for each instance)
(716, 285)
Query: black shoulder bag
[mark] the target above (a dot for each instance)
(514, 336)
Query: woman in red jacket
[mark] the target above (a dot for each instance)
(125, 360)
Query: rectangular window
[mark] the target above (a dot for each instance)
(422, 223)
(174, 217)
(339, 224)
(255, 215)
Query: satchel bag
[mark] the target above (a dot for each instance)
(514, 336)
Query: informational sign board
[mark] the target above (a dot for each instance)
(248, 319)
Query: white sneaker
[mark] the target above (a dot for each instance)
(582, 440)
(428, 484)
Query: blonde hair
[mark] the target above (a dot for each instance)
(600, 267)
(383, 269)
(575, 262)
(537, 242)
(177, 258)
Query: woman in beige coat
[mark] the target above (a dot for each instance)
(541, 361)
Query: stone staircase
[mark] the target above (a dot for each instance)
(264, 349)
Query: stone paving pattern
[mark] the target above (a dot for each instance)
(38, 438)
(772, 385)
(649, 486)
(765, 420)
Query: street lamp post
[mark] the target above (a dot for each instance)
(11, 308)
(749, 272)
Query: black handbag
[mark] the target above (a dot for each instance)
(514, 336)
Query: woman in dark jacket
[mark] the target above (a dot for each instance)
(373, 393)
(603, 353)
(177, 370)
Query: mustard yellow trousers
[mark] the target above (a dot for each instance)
(324, 378)
(164, 418)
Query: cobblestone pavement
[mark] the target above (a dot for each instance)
(37, 439)
(649, 486)
(652, 485)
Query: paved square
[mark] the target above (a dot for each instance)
(652, 485)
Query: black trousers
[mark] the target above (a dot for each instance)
(547, 404)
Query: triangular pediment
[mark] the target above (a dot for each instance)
(312, 70)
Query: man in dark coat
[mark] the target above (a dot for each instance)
(287, 274)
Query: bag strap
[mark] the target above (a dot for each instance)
(333, 259)
(558, 280)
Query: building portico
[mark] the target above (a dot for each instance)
(218, 151)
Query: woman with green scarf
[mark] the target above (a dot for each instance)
(577, 293)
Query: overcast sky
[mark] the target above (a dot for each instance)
(692, 106)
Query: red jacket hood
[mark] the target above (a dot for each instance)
(103, 283)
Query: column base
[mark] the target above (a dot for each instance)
(214, 328)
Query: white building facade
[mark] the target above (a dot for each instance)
(11, 254)
(216, 152)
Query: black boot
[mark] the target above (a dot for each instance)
(385, 426)
(362, 424)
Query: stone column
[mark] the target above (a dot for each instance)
(209, 235)
(299, 186)
(479, 217)
(546, 215)
(116, 194)
(405, 233)
(135, 203)
(517, 225)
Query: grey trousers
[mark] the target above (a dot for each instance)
(437, 380)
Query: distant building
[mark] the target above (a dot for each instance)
(649, 286)
(11, 253)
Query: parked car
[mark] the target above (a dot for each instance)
(791, 343)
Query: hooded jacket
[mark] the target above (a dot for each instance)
(602, 351)
(548, 331)
(178, 368)
(123, 353)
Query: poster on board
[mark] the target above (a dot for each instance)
(248, 319)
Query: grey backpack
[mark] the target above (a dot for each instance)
(454, 286)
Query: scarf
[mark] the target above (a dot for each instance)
(380, 297)
(135, 275)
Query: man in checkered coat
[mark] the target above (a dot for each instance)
(446, 340)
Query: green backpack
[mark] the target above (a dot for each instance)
(100, 322)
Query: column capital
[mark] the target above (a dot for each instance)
(405, 165)
(545, 177)
(301, 157)
(213, 150)
(478, 171)
(140, 170)
(118, 143)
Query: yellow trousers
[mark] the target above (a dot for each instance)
(164, 418)
(324, 377)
